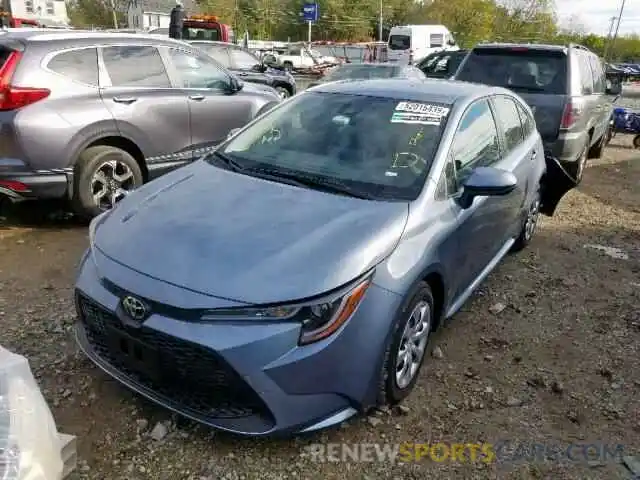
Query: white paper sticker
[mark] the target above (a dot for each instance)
(423, 108)
(416, 118)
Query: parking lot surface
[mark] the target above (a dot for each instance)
(546, 352)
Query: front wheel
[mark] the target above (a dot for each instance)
(103, 176)
(405, 353)
(283, 92)
(530, 225)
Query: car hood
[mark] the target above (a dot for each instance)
(237, 237)
(259, 88)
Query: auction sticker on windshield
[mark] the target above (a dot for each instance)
(419, 113)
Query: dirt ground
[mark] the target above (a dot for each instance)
(547, 351)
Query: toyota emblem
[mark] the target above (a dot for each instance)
(135, 308)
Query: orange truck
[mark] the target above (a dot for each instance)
(7, 20)
(206, 27)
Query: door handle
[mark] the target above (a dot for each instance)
(125, 100)
(242, 74)
(197, 98)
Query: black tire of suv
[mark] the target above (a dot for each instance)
(82, 202)
(283, 91)
(576, 169)
(596, 151)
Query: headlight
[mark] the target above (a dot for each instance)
(319, 320)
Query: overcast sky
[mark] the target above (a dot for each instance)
(596, 15)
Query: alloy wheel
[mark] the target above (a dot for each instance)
(413, 344)
(110, 183)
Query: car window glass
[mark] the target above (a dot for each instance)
(220, 55)
(522, 70)
(509, 119)
(399, 42)
(381, 145)
(476, 142)
(197, 72)
(78, 65)
(242, 59)
(586, 76)
(599, 83)
(527, 120)
(135, 66)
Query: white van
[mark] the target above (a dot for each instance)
(410, 43)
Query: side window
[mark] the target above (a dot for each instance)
(586, 76)
(242, 59)
(78, 65)
(599, 82)
(476, 142)
(197, 72)
(509, 119)
(220, 55)
(135, 66)
(528, 122)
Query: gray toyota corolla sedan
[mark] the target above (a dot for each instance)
(292, 278)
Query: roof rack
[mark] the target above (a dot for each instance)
(578, 46)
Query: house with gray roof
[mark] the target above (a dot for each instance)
(153, 14)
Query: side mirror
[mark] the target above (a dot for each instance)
(487, 182)
(232, 132)
(235, 84)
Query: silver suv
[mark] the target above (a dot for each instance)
(565, 86)
(87, 116)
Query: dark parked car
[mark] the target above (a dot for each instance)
(292, 278)
(367, 71)
(564, 85)
(89, 116)
(248, 66)
(442, 64)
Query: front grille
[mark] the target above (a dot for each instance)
(189, 375)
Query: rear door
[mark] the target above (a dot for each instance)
(147, 108)
(539, 76)
(399, 45)
(213, 109)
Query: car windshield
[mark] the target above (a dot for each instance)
(399, 42)
(380, 147)
(519, 69)
(360, 72)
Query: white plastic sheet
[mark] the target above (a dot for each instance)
(29, 445)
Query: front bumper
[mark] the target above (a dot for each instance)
(246, 378)
(19, 183)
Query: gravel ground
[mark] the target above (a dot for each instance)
(546, 351)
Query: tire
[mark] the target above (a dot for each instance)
(288, 66)
(283, 92)
(103, 159)
(597, 150)
(576, 169)
(636, 141)
(530, 224)
(390, 390)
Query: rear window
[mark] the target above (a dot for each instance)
(399, 42)
(521, 70)
(360, 72)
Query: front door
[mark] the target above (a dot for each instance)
(482, 229)
(247, 67)
(145, 106)
(214, 110)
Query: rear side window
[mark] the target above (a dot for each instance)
(521, 69)
(509, 119)
(586, 75)
(528, 122)
(399, 42)
(77, 65)
(135, 66)
(599, 79)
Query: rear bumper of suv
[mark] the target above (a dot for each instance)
(18, 182)
(568, 147)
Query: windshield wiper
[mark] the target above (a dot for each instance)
(227, 161)
(312, 181)
(525, 87)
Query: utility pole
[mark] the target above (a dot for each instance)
(380, 23)
(615, 35)
(115, 15)
(608, 40)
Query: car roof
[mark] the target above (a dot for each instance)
(426, 90)
(532, 46)
(86, 37)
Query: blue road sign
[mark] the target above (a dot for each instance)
(310, 12)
